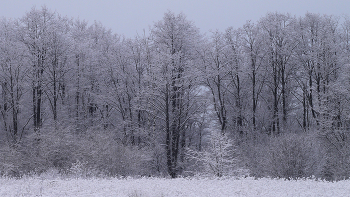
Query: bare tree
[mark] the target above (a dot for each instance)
(174, 39)
(13, 69)
(36, 28)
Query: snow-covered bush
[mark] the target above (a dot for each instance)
(219, 157)
(335, 164)
(290, 157)
(94, 153)
(8, 161)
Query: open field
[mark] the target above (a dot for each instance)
(170, 187)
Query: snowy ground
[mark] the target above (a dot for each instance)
(167, 187)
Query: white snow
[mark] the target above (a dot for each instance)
(170, 187)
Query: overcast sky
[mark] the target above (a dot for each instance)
(128, 17)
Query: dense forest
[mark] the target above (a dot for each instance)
(269, 99)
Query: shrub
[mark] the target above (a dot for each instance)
(219, 157)
(292, 156)
(93, 153)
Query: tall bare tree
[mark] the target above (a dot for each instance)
(36, 29)
(174, 41)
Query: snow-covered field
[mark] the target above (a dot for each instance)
(170, 187)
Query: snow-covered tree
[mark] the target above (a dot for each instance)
(219, 158)
(279, 48)
(13, 69)
(252, 43)
(174, 42)
(36, 28)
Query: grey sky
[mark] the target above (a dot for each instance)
(127, 17)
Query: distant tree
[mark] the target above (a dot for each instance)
(318, 53)
(122, 76)
(36, 29)
(238, 79)
(140, 59)
(57, 68)
(79, 83)
(252, 43)
(279, 46)
(217, 73)
(13, 69)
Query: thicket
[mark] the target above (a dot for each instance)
(269, 99)
(96, 154)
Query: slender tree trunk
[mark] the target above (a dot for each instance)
(275, 123)
(168, 131)
(305, 109)
(222, 110)
(254, 99)
(55, 90)
(239, 106)
(77, 96)
(275, 117)
(284, 96)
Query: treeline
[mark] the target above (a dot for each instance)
(77, 98)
